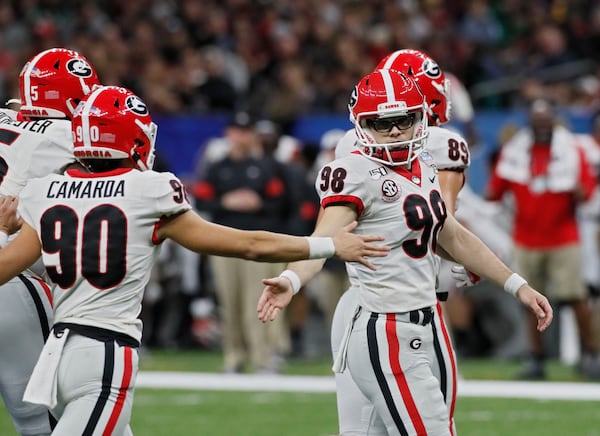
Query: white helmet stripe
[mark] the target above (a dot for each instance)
(27, 78)
(389, 86)
(390, 60)
(85, 117)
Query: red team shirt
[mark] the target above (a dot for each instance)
(545, 219)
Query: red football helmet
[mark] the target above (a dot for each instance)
(384, 99)
(430, 78)
(53, 82)
(114, 123)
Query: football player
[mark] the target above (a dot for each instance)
(451, 154)
(389, 183)
(35, 140)
(98, 228)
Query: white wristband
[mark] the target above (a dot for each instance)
(513, 283)
(293, 278)
(319, 248)
(3, 239)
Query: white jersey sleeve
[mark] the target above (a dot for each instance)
(407, 209)
(98, 240)
(30, 149)
(448, 148)
(346, 145)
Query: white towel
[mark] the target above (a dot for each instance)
(42, 386)
(563, 170)
(341, 359)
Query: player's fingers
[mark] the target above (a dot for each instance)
(546, 308)
(270, 281)
(372, 238)
(269, 312)
(366, 263)
(274, 313)
(376, 250)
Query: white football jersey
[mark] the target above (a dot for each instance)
(408, 210)
(31, 149)
(97, 235)
(448, 148)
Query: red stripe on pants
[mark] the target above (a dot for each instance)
(127, 371)
(448, 344)
(394, 356)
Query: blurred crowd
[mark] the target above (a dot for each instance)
(284, 58)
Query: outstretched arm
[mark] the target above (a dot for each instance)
(471, 252)
(278, 291)
(197, 234)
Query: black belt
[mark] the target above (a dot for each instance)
(422, 316)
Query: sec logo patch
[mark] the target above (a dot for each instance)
(390, 191)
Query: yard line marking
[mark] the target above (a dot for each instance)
(326, 384)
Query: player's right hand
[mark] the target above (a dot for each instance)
(276, 295)
(538, 304)
(356, 248)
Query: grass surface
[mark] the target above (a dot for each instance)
(210, 413)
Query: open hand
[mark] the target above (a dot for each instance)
(355, 248)
(276, 295)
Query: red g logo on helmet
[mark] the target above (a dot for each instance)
(52, 83)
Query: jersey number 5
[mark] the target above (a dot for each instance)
(100, 256)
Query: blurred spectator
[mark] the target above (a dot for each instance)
(548, 176)
(244, 189)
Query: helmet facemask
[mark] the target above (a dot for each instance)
(383, 101)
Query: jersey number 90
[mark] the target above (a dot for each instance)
(100, 256)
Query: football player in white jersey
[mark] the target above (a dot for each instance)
(451, 155)
(389, 183)
(98, 228)
(35, 141)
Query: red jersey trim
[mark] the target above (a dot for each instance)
(155, 239)
(337, 200)
(83, 175)
(415, 170)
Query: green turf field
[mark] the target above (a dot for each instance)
(172, 412)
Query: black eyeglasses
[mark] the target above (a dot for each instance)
(385, 125)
